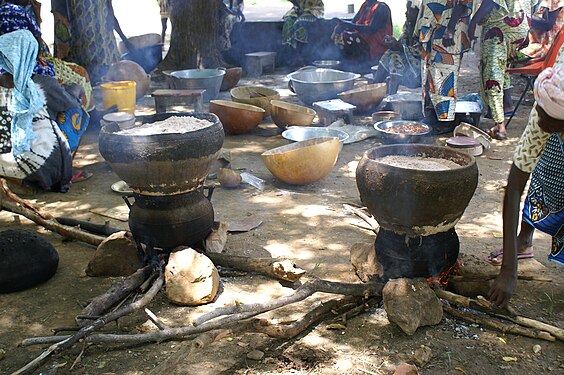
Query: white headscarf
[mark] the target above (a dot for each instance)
(549, 91)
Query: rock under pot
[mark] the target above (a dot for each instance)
(415, 189)
(158, 162)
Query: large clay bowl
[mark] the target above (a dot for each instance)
(365, 97)
(255, 95)
(287, 114)
(163, 164)
(303, 162)
(237, 118)
(413, 201)
(231, 78)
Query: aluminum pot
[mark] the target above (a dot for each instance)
(408, 104)
(189, 79)
(317, 84)
(389, 136)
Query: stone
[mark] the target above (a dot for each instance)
(255, 355)
(191, 278)
(364, 262)
(116, 256)
(2, 354)
(422, 355)
(215, 243)
(406, 369)
(411, 303)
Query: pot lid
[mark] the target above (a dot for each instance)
(463, 142)
(467, 107)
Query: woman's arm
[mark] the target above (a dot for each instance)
(504, 286)
(112, 18)
(481, 14)
(457, 14)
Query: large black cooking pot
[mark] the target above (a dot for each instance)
(411, 201)
(163, 164)
(170, 221)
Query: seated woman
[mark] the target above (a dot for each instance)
(40, 124)
(545, 24)
(298, 21)
(540, 154)
(25, 15)
(362, 39)
(401, 64)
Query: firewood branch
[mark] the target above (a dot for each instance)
(484, 305)
(69, 341)
(11, 202)
(119, 290)
(498, 325)
(304, 291)
(282, 269)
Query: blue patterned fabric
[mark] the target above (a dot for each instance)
(544, 206)
(14, 17)
(18, 52)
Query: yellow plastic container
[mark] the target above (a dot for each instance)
(120, 94)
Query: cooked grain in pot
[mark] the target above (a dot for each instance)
(172, 125)
(419, 162)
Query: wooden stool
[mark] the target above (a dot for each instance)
(258, 62)
(330, 111)
(166, 98)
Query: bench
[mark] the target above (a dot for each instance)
(169, 97)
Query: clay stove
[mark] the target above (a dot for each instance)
(166, 173)
(416, 208)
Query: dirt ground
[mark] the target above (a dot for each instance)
(308, 224)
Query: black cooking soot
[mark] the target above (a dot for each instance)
(421, 256)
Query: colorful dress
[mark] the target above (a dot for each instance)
(14, 17)
(165, 6)
(297, 22)
(440, 64)
(504, 32)
(406, 63)
(542, 154)
(540, 41)
(90, 40)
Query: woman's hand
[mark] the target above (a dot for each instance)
(7, 80)
(448, 38)
(503, 288)
(392, 43)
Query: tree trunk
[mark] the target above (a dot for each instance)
(193, 42)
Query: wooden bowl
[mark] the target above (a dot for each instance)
(303, 162)
(231, 78)
(237, 118)
(287, 114)
(255, 95)
(365, 97)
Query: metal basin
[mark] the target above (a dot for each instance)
(391, 131)
(318, 84)
(208, 79)
(328, 64)
(303, 133)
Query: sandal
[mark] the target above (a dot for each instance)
(496, 134)
(496, 257)
(80, 175)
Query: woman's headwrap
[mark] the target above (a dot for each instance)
(18, 54)
(549, 91)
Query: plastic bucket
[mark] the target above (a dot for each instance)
(120, 94)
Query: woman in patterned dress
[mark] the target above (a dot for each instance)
(401, 64)
(505, 27)
(84, 34)
(299, 19)
(539, 154)
(442, 27)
